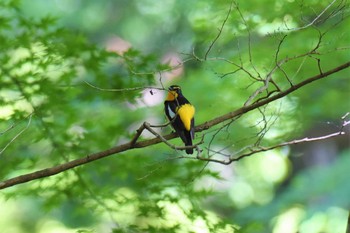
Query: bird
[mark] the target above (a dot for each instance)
(180, 112)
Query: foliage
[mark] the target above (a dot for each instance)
(53, 110)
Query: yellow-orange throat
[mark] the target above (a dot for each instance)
(186, 113)
(172, 95)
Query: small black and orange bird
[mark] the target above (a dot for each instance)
(178, 107)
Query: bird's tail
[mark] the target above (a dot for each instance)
(189, 138)
(189, 151)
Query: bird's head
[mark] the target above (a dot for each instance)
(173, 92)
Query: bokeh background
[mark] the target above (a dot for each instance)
(49, 49)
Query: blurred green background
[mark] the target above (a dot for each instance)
(49, 115)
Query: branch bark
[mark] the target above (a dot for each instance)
(264, 149)
(133, 144)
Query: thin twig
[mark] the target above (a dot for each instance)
(315, 19)
(8, 129)
(145, 143)
(123, 89)
(220, 31)
(17, 135)
(249, 40)
(259, 149)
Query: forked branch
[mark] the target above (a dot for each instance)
(133, 143)
(255, 150)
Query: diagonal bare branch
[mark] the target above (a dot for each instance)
(314, 21)
(264, 149)
(134, 144)
(122, 89)
(17, 135)
(220, 31)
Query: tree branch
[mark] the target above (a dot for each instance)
(133, 144)
(122, 89)
(279, 95)
(263, 149)
(220, 31)
(315, 19)
(17, 135)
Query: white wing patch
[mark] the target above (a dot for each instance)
(171, 113)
